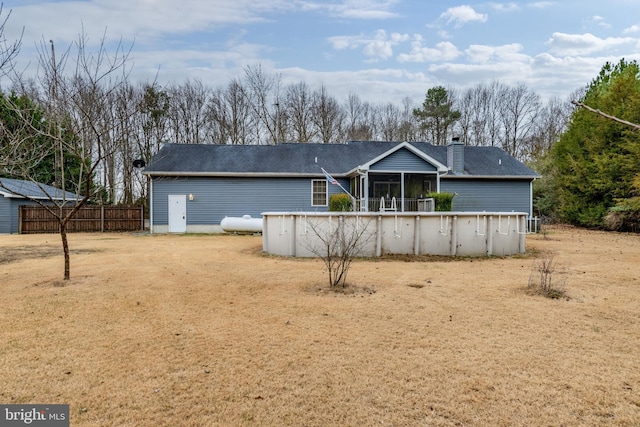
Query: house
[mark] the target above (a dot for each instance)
(193, 187)
(16, 192)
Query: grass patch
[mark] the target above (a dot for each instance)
(14, 254)
(208, 332)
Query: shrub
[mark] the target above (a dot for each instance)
(443, 201)
(337, 242)
(624, 216)
(544, 280)
(340, 202)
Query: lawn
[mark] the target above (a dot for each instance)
(201, 330)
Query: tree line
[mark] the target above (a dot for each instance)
(82, 122)
(126, 120)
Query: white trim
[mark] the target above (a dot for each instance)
(161, 174)
(531, 198)
(151, 224)
(15, 196)
(440, 168)
(509, 177)
(326, 193)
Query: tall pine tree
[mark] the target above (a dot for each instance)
(597, 160)
(437, 115)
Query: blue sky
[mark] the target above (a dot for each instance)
(381, 50)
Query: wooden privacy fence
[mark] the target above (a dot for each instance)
(36, 219)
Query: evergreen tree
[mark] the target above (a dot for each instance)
(596, 161)
(23, 120)
(437, 114)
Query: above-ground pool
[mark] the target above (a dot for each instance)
(420, 233)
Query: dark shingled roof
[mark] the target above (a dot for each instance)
(289, 159)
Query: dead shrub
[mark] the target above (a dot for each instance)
(546, 278)
(338, 244)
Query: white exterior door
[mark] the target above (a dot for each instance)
(177, 213)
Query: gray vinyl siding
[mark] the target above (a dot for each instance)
(217, 197)
(403, 160)
(5, 215)
(489, 194)
(10, 213)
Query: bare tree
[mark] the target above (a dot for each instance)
(494, 97)
(390, 122)
(519, 110)
(152, 107)
(479, 122)
(74, 106)
(263, 94)
(9, 49)
(231, 111)
(187, 112)
(298, 104)
(360, 124)
(124, 114)
(408, 124)
(550, 124)
(338, 241)
(327, 116)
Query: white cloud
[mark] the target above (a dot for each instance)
(562, 75)
(585, 44)
(391, 84)
(134, 19)
(468, 75)
(214, 40)
(578, 69)
(378, 47)
(443, 51)
(598, 21)
(545, 73)
(461, 15)
(540, 4)
(505, 7)
(345, 42)
(632, 30)
(482, 54)
(354, 9)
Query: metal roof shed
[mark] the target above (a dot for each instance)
(16, 192)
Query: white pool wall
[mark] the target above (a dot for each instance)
(424, 233)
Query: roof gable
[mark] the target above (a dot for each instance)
(399, 148)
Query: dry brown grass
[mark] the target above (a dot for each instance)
(206, 331)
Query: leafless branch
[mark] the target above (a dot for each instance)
(8, 49)
(605, 115)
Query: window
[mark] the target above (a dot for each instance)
(318, 192)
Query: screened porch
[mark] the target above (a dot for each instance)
(394, 192)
